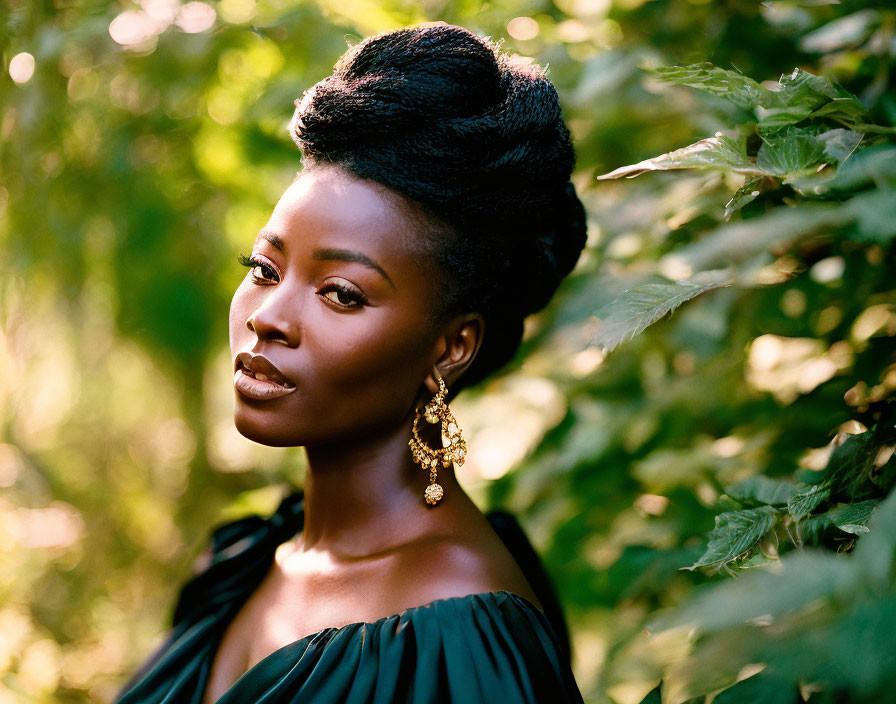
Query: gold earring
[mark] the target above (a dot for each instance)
(429, 457)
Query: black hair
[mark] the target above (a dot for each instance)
(476, 138)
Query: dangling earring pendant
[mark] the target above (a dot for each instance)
(455, 449)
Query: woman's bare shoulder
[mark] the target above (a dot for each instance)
(455, 564)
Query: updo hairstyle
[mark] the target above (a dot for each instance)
(476, 139)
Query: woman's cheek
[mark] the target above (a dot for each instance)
(236, 316)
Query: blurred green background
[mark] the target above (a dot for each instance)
(142, 146)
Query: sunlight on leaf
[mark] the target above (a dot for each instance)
(718, 152)
(736, 533)
(637, 308)
(800, 95)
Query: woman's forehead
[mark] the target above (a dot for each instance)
(329, 201)
(329, 208)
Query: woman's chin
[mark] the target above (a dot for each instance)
(261, 431)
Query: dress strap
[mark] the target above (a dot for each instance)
(241, 554)
(515, 540)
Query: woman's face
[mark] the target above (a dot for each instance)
(337, 300)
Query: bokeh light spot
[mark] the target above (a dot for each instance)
(237, 11)
(134, 27)
(196, 17)
(522, 28)
(21, 67)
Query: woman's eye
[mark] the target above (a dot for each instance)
(260, 270)
(343, 297)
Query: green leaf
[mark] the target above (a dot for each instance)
(740, 241)
(839, 144)
(875, 216)
(876, 551)
(853, 518)
(813, 529)
(802, 504)
(848, 111)
(736, 533)
(731, 85)
(788, 151)
(850, 465)
(763, 490)
(847, 518)
(641, 306)
(871, 167)
(742, 196)
(800, 579)
(801, 94)
(718, 152)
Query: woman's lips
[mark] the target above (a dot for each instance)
(258, 389)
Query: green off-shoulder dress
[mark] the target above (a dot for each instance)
(491, 647)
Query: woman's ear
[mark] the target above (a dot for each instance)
(460, 340)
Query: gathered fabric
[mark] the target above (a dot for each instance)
(489, 647)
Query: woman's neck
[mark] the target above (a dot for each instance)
(363, 499)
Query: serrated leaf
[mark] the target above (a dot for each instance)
(812, 529)
(801, 94)
(641, 306)
(741, 90)
(803, 503)
(850, 465)
(764, 490)
(718, 152)
(848, 111)
(736, 533)
(788, 151)
(848, 518)
(853, 518)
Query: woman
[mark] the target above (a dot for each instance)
(433, 213)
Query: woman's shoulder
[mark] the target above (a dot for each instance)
(441, 567)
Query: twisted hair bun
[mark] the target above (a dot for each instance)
(476, 138)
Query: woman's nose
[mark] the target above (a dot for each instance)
(275, 321)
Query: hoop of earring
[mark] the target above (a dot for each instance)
(429, 458)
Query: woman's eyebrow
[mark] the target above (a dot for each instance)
(348, 255)
(340, 255)
(272, 238)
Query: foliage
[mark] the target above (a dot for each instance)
(131, 177)
(833, 508)
(636, 308)
(809, 134)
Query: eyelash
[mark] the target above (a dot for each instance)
(358, 298)
(252, 263)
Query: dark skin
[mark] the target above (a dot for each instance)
(362, 359)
